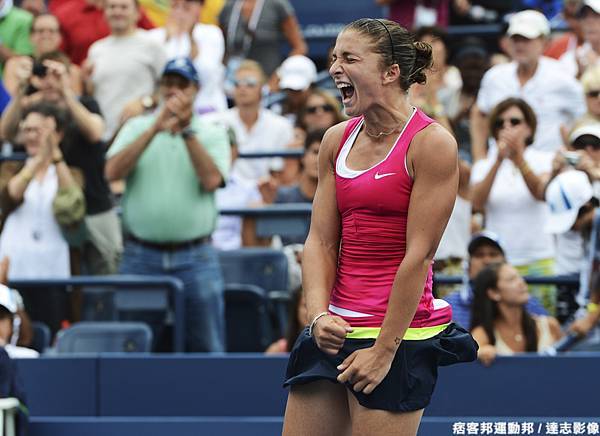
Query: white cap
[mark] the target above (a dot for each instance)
(593, 4)
(530, 24)
(297, 73)
(565, 195)
(586, 129)
(7, 300)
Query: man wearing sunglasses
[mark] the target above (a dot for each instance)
(173, 162)
(553, 93)
(256, 128)
(582, 154)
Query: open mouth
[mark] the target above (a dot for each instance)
(347, 91)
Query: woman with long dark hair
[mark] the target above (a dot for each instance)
(500, 323)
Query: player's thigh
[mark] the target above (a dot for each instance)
(375, 422)
(319, 408)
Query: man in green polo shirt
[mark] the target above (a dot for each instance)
(173, 163)
(15, 24)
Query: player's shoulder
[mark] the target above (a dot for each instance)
(435, 137)
(333, 137)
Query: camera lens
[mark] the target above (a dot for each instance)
(39, 69)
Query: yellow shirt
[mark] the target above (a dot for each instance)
(158, 11)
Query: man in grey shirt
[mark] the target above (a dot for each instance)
(254, 30)
(125, 65)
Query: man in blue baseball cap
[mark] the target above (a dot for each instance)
(484, 249)
(172, 163)
(182, 67)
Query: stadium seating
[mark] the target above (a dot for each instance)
(103, 337)
(247, 318)
(41, 336)
(123, 297)
(263, 267)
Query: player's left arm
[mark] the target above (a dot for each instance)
(433, 164)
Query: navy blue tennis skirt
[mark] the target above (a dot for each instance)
(410, 382)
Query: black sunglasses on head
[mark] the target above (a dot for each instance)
(514, 121)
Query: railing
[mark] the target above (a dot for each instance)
(444, 279)
(286, 219)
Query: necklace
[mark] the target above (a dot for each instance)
(380, 134)
(518, 337)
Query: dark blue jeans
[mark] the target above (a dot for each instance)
(199, 270)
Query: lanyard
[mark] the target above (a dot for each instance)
(252, 24)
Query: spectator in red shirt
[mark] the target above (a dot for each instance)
(412, 13)
(82, 23)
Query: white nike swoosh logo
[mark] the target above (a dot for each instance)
(381, 176)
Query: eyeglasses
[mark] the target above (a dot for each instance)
(501, 122)
(593, 94)
(28, 130)
(322, 108)
(250, 82)
(44, 30)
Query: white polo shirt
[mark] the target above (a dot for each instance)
(554, 94)
(209, 62)
(270, 132)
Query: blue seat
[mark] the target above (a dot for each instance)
(149, 306)
(41, 336)
(248, 324)
(263, 267)
(105, 337)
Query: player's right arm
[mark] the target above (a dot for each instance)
(319, 259)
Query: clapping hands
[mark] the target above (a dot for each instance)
(176, 113)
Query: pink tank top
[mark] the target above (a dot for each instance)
(373, 206)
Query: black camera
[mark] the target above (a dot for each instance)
(39, 69)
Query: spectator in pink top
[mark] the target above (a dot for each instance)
(416, 13)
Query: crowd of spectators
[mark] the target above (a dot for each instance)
(132, 117)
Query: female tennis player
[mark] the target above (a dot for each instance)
(367, 364)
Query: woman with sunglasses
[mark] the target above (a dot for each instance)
(321, 111)
(509, 187)
(367, 363)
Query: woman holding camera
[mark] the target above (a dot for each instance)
(509, 186)
(46, 40)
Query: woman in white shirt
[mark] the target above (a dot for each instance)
(509, 186)
(35, 197)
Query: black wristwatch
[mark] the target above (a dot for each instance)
(188, 132)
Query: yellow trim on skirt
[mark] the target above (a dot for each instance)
(412, 333)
